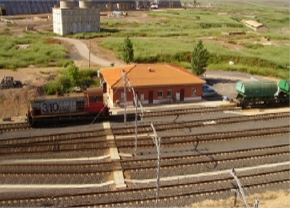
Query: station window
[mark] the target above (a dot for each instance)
(169, 93)
(160, 94)
(94, 99)
(193, 92)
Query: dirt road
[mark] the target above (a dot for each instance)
(82, 48)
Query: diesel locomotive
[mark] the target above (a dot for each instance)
(251, 93)
(49, 109)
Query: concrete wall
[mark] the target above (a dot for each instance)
(70, 21)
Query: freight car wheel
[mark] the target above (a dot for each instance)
(271, 103)
(244, 104)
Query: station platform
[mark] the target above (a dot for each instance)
(148, 108)
(114, 155)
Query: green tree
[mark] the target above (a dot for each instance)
(73, 74)
(199, 58)
(128, 51)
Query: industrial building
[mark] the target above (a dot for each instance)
(68, 19)
(152, 83)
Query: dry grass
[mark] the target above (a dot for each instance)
(279, 199)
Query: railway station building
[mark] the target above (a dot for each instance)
(152, 84)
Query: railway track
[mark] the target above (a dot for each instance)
(203, 158)
(168, 194)
(42, 167)
(181, 153)
(184, 191)
(92, 141)
(59, 167)
(142, 128)
(191, 164)
(174, 126)
(13, 127)
(207, 137)
(9, 127)
(187, 111)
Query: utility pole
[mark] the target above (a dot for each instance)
(136, 105)
(157, 142)
(90, 53)
(135, 98)
(233, 173)
(125, 100)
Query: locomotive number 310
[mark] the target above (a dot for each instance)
(53, 108)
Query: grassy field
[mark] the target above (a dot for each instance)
(31, 49)
(170, 36)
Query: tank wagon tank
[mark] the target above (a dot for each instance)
(252, 93)
(284, 88)
(72, 107)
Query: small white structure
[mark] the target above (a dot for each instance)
(68, 19)
(256, 26)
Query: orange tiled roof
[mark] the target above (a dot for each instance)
(150, 75)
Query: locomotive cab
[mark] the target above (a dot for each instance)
(95, 102)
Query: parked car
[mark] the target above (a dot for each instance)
(154, 6)
(207, 91)
(205, 87)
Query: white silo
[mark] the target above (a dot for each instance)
(68, 4)
(85, 4)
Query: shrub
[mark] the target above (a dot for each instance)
(63, 63)
(53, 87)
(69, 78)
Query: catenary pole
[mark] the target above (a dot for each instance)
(136, 105)
(125, 100)
(233, 173)
(157, 142)
(135, 98)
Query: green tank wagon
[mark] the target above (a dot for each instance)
(256, 92)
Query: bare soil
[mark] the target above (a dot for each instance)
(13, 102)
(279, 199)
